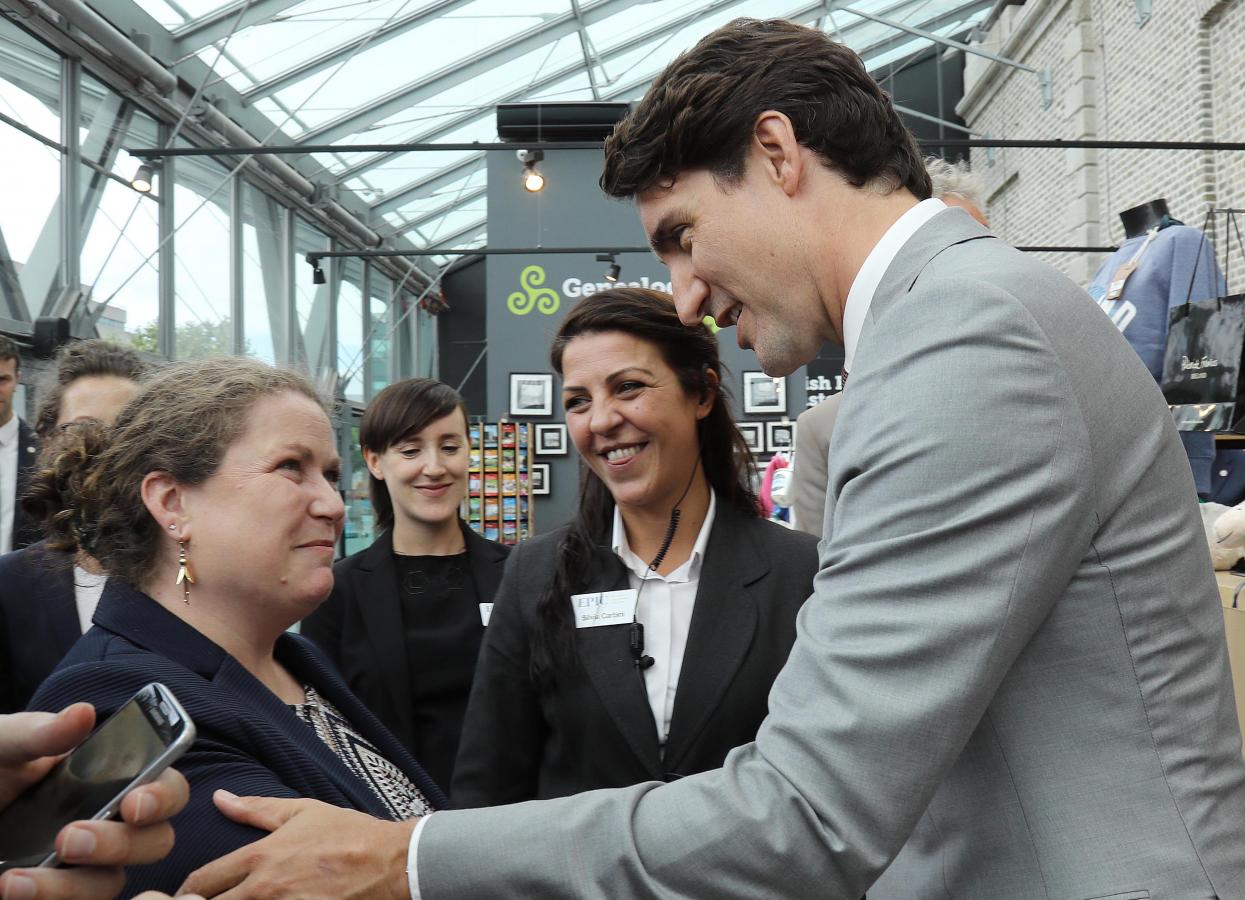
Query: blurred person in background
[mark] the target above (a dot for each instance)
(47, 596)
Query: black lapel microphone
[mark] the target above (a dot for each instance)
(642, 661)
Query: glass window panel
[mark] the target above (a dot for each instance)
(311, 301)
(263, 274)
(29, 213)
(162, 13)
(203, 326)
(29, 81)
(350, 330)
(360, 526)
(378, 333)
(119, 263)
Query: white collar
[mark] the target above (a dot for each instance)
(875, 265)
(685, 572)
(8, 431)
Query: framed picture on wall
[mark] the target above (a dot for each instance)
(550, 440)
(780, 436)
(539, 478)
(531, 394)
(754, 435)
(764, 394)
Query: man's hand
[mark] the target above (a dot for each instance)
(315, 851)
(30, 744)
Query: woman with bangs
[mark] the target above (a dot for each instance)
(403, 622)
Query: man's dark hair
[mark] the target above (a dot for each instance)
(8, 350)
(700, 112)
(83, 359)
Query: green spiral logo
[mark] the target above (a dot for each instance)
(533, 296)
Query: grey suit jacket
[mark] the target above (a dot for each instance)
(808, 476)
(1011, 681)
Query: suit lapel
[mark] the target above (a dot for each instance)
(723, 624)
(606, 656)
(376, 589)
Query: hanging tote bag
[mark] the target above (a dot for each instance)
(1203, 363)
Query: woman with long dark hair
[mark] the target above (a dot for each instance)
(403, 622)
(640, 641)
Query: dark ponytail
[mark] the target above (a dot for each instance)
(691, 353)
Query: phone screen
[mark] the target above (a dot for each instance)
(93, 776)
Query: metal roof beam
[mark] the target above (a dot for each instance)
(336, 54)
(428, 185)
(205, 30)
(463, 235)
(887, 44)
(810, 11)
(543, 82)
(409, 95)
(424, 218)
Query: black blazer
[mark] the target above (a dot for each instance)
(595, 728)
(249, 741)
(38, 620)
(25, 529)
(360, 628)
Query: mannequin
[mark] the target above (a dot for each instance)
(1153, 271)
(1140, 219)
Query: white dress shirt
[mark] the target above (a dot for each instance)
(664, 608)
(87, 589)
(9, 435)
(865, 285)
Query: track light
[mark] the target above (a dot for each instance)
(317, 275)
(612, 273)
(533, 180)
(142, 179)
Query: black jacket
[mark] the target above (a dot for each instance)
(595, 728)
(38, 620)
(360, 628)
(249, 742)
(26, 530)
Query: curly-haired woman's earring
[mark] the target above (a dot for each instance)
(184, 576)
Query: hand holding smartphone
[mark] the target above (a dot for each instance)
(131, 748)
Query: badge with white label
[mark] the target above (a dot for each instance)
(486, 613)
(603, 608)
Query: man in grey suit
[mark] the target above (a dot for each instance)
(1011, 681)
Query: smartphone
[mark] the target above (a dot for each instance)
(132, 747)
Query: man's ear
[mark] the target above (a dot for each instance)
(165, 499)
(775, 146)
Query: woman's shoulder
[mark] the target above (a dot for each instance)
(106, 670)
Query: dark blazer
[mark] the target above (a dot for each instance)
(25, 529)
(595, 728)
(360, 628)
(38, 620)
(249, 741)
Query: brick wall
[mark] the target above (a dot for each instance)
(1181, 76)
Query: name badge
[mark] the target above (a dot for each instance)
(603, 608)
(486, 613)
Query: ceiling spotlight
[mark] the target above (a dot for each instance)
(142, 179)
(317, 275)
(612, 273)
(533, 180)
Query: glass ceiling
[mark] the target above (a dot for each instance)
(348, 72)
